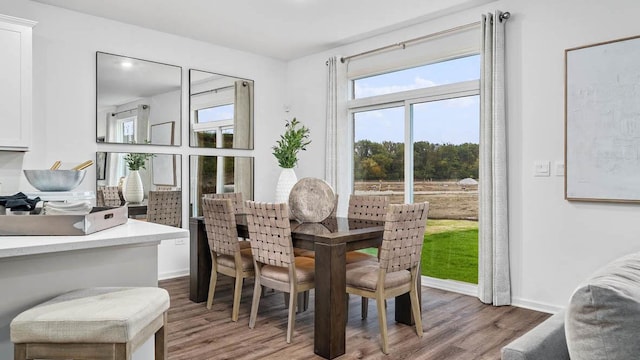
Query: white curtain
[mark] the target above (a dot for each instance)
(494, 285)
(243, 137)
(331, 141)
(142, 121)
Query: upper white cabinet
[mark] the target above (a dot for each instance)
(15, 83)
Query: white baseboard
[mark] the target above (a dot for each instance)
(173, 274)
(534, 305)
(472, 290)
(450, 285)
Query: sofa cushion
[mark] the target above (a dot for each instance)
(603, 317)
(544, 342)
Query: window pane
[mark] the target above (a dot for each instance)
(216, 113)
(445, 155)
(379, 153)
(442, 73)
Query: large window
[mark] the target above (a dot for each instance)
(416, 138)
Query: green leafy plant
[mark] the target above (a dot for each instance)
(137, 161)
(294, 139)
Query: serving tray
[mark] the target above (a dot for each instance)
(100, 218)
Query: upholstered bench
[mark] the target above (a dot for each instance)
(96, 323)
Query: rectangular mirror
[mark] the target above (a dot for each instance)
(220, 111)
(217, 175)
(160, 172)
(137, 101)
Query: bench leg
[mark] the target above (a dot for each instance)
(161, 340)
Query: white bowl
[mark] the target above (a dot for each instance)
(55, 180)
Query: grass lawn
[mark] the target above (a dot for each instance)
(450, 250)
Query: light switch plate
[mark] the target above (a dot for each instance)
(541, 168)
(559, 168)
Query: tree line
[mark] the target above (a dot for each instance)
(384, 161)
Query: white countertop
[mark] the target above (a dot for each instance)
(132, 233)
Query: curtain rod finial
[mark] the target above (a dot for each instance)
(505, 16)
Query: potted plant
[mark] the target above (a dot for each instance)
(295, 139)
(134, 191)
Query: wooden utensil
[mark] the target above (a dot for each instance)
(56, 165)
(84, 165)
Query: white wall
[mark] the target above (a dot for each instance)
(554, 244)
(64, 47)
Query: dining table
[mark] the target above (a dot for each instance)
(331, 239)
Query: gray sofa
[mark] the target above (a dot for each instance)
(601, 322)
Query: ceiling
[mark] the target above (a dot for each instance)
(282, 29)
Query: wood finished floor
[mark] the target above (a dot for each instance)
(455, 327)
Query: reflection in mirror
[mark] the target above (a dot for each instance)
(217, 175)
(161, 172)
(221, 111)
(137, 101)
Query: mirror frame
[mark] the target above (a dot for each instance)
(177, 123)
(251, 106)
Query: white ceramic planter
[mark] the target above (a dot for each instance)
(133, 191)
(285, 183)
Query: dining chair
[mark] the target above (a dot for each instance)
(109, 196)
(238, 208)
(275, 265)
(165, 207)
(396, 272)
(365, 207)
(236, 199)
(227, 257)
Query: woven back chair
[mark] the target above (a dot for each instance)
(397, 271)
(368, 207)
(274, 261)
(165, 207)
(108, 196)
(227, 257)
(236, 198)
(363, 208)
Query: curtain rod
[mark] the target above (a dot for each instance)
(403, 45)
(244, 84)
(124, 111)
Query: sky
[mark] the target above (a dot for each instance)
(453, 121)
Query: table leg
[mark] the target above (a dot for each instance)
(330, 300)
(199, 262)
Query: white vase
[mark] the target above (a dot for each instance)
(133, 190)
(285, 183)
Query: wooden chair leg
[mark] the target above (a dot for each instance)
(382, 321)
(161, 340)
(20, 351)
(292, 314)
(237, 294)
(212, 285)
(415, 308)
(257, 291)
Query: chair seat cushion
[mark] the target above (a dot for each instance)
(364, 275)
(305, 271)
(245, 257)
(96, 315)
(603, 317)
(356, 256)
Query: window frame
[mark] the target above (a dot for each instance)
(407, 99)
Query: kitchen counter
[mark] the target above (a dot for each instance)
(34, 269)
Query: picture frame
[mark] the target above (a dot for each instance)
(163, 168)
(162, 134)
(602, 122)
